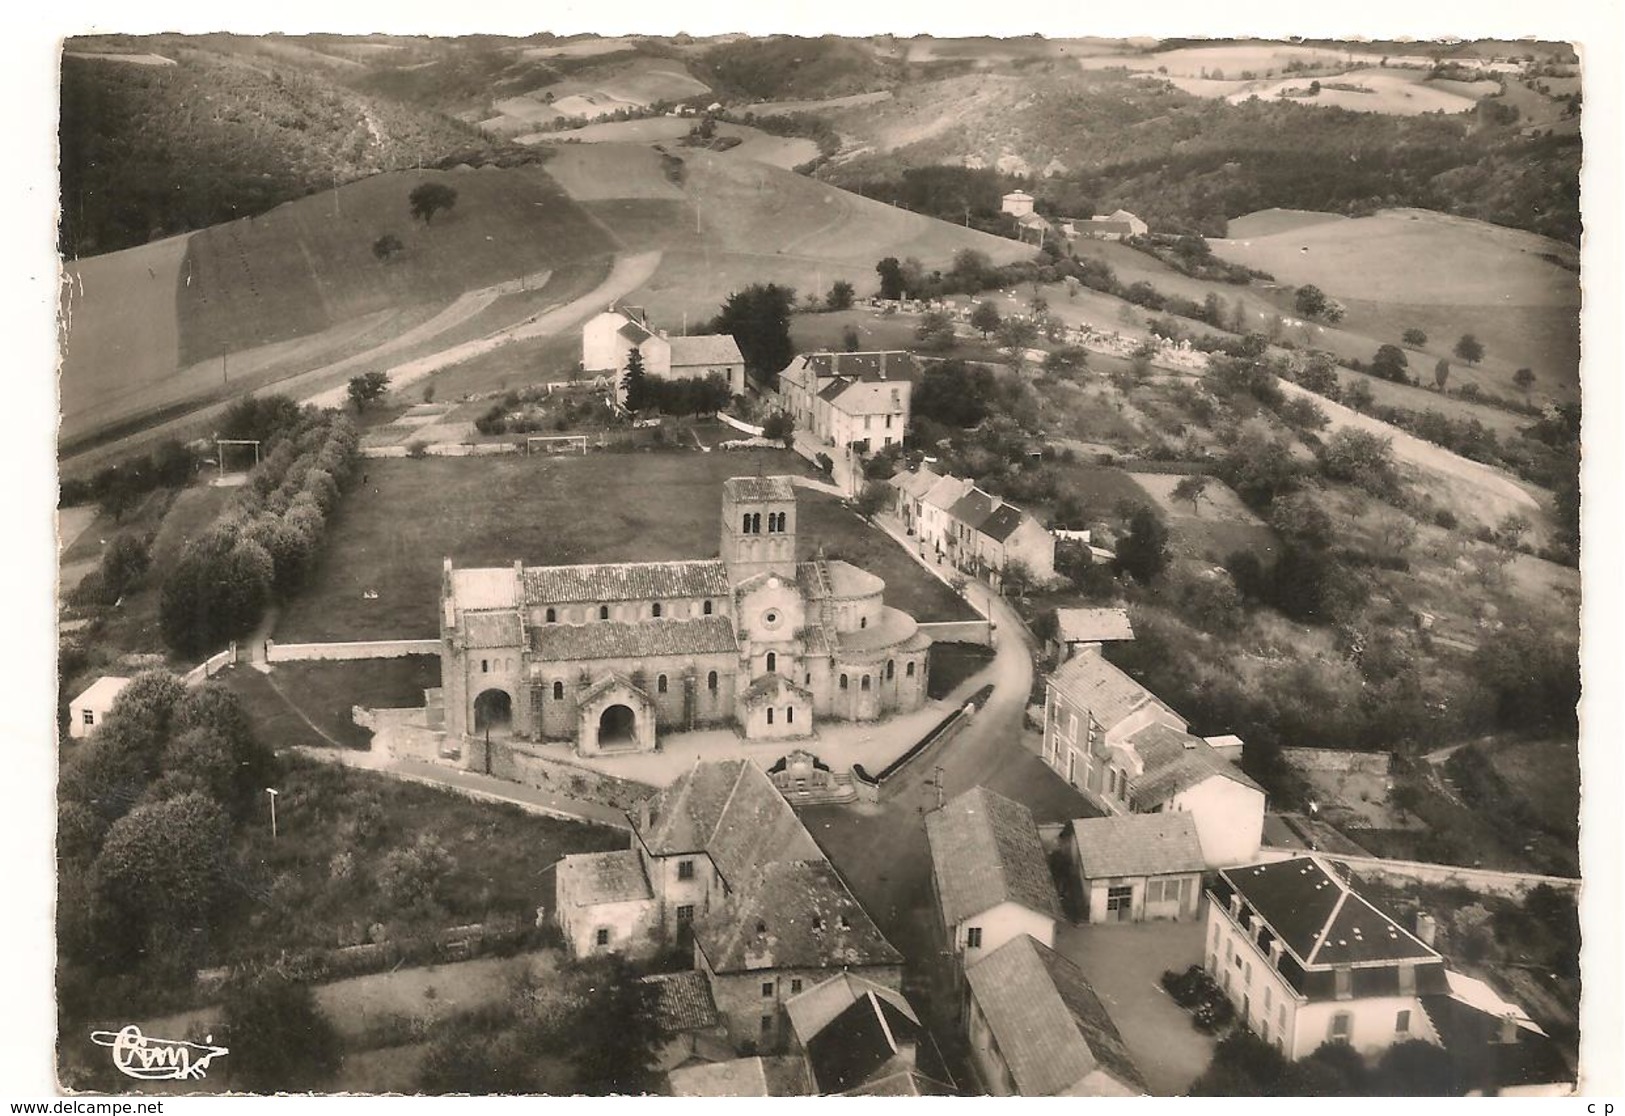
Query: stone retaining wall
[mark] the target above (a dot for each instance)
(363, 649)
(1331, 759)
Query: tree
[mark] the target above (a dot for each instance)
(1301, 516)
(164, 865)
(413, 879)
(1441, 372)
(1524, 379)
(368, 387)
(850, 340)
(935, 332)
(430, 198)
(1359, 396)
(1191, 488)
(387, 245)
(1511, 530)
(478, 1064)
(1469, 348)
(279, 1038)
(875, 496)
(1068, 358)
(1414, 338)
(1017, 333)
(1415, 1068)
(758, 318)
(891, 277)
(1143, 552)
(614, 1036)
(634, 382)
(217, 591)
(123, 562)
(840, 295)
(1310, 301)
(984, 318)
(1390, 363)
(1361, 458)
(781, 427)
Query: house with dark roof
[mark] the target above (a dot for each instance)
(1138, 867)
(728, 871)
(1081, 629)
(1037, 1028)
(1128, 752)
(977, 531)
(861, 400)
(854, 1033)
(690, 1027)
(989, 874)
(1496, 1048)
(908, 488)
(1118, 225)
(1306, 960)
(608, 338)
(608, 656)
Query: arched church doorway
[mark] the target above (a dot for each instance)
(493, 712)
(617, 728)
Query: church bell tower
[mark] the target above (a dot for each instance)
(758, 527)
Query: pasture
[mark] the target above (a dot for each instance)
(1218, 525)
(785, 152)
(393, 532)
(1389, 91)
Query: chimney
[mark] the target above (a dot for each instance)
(1235, 905)
(1275, 952)
(1426, 927)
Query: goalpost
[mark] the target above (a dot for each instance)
(220, 445)
(555, 443)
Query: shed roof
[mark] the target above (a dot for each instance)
(781, 1076)
(861, 1042)
(624, 581)
(1093, 625)
(101, 693)
(1048, 1023)
(684, 1002)
(609, 639)
(1138, 845)
(916, 482)
(985, 851)
(1176, 761)
(813, 1010)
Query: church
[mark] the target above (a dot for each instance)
(609, 657)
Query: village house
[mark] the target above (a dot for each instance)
(988, 872)
(1307, 960)
(1497, 1049)
(610, 656)
(1037, 1028)
(854, 1033)
(608, 339)
(720, 865)
(856, 400)
(975, 531)
(936, 524)
(1017, 203)
(1120, 225)
(1089, 629)
(1138, 867)
(1128, 752)
(908, 489)
(689, 1024)
(89, 710)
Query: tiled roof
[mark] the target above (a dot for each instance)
(946, 492)
(1048, 1023)
(634, 332)
(1003, 522)
(792, 914)
(1095, 684)
(625, 581)
(1319, 917)
(732, 811)
(608, 639)
(1176, 761)
(916, 483)
(685, 1002)
(894, 364)
(1093, 625)
(1138, 845)
(490, 587)
(985, 851)
(847, 581)
(813, 1010)
(773, 687)
(718, 348)
(972, 508)
(604, 877)
(862, 397)
(491, 629)
(758, 489)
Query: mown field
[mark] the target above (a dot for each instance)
(394, 531)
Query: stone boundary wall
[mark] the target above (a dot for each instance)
(742, 427)
(1168, 468)
(210, 667)
(1396, 873)
(1331, 759)
(960, 631)
(520, 765)
(445, 449)
(363, 649)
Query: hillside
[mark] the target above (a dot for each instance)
(228, 130)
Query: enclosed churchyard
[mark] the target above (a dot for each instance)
(379, 575)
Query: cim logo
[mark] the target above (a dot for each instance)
(155, 1059)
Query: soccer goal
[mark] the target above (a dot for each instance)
(555, 443)
(233, 455)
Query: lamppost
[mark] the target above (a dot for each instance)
(272, 792)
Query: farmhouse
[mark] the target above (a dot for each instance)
(720, 864)
(1037, 1028)
(1087, 629)
(1307, 960)
(1118, 226)
(1138, 867)
(1129, 753)
(89, 709)
(1017, 203)
(611, 656)
(608, 339)
(861, 400)
(989, 874)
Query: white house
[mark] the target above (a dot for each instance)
(608, 339)
(604, 903)
(1139, 867)
(1017, 203)
(1307, 960)
(990, 875)
(1119, 225)
(1130, 753)
(89, 709)
(1037, 1028)
(861, 400)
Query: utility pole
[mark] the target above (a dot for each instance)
(272, 792)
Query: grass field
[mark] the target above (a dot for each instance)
(392, 533)
(756, 145)
(324, 692)
(1392, 92)
(1222, 526)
